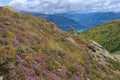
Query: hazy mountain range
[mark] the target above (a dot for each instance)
(80, 21)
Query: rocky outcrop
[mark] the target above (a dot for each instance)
(117, 56)
(1, 77)
(100, 53)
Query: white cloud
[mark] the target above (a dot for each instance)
(59, 6)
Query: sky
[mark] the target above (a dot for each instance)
(62, 6)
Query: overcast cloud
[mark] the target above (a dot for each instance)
(60, 6)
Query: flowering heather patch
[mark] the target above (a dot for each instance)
(39, 59)
(39, 39)
(1, 39)
(29, 72)
(32, 78)
(76, 78)
(55, 77)
(78, 67)
(62, 73)
(16, 42)
(20, 26)
(19, 59)
(4, 31)
(34, 64)
(44, 71)
(21, 38)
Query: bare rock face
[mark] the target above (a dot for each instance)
(117, 56)
(100, 53)
(1, 77)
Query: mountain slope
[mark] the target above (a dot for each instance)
(108, 35)
(32, 49)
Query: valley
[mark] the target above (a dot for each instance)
(79, 21)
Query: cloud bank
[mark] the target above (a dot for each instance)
(61, 6)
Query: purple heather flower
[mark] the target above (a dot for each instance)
(32, 78)
(39, 39)
(22, 38)
(34, 62)
(62, 74)
(39, 59)
(4, 32)
(44, 71)
(1, 39)
(55, 77)
(29, 72)
(19, 59)
(16, 42)
(78, 67)
(76, 78)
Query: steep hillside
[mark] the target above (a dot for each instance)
(108, 35)
(32, 49)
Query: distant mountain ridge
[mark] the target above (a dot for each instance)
(80, 21)
(61, 21)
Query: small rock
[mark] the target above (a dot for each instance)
(1, 77)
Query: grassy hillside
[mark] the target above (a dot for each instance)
(32, 49)
(108, 35)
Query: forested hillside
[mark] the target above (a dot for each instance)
(108, 35)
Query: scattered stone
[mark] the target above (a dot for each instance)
(1, 77)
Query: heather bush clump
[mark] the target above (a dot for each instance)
(76, 78)
(3, 31)
(16, 42)
(29, 72)
(19, 59)
(39, 39)
(1, 40)
(21, 38)
(63, 74)
(55, 77)
(32, 78)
